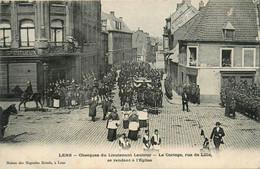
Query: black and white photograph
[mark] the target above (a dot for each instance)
(129, 84)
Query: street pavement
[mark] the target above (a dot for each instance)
(177, 129)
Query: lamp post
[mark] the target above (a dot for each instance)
(45, 81)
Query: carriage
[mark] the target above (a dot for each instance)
(145, 93)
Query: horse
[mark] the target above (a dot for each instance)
(23, 99)
(4, 118)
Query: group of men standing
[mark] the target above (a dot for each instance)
(241, 98)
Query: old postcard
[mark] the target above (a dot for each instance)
(129, 84)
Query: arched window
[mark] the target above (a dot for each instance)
(27, 33)
(57, 32)
(5, 34)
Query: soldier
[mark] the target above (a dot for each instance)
(222, 97)
(198, 94)
(29, 91)
(93, 107)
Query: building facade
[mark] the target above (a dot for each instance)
(119, 39)
(43, 41)
(184, 12)
(219, 43)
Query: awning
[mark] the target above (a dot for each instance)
(174, 54)
(174, 58)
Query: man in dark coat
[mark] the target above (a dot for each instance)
(28, 91)
(93, 107)
(217, 134)
(185, 100)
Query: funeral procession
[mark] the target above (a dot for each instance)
(120, 76)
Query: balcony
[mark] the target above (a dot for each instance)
(62, 48)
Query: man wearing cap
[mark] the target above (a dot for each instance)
(217, 134)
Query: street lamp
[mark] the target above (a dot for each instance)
(45, 81)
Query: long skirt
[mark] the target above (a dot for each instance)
(111, 134)
(142, 123)
(125, 124)
(132, 135)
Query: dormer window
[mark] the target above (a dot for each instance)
(228, 31)
(118, 25)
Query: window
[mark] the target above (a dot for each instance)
(27, 33)
(226, 57)
(5, 34)
(228, 31)
(118, 25)
(248, 57)
(57, 32)
(192, 56)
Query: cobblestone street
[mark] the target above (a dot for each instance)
(178, 129)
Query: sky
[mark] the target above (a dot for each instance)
(148, 15)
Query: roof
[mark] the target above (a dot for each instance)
(111, 25)
(183, 14)
(232, 14)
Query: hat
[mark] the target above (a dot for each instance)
(218, 123)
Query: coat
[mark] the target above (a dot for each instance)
(93, 108)
(217, 135)
(184, 97)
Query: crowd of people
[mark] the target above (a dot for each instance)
(70, 93)
(241, 97)
(136, 81)
(140, 84)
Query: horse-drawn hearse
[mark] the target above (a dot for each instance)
(148, 94)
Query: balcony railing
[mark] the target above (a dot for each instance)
(61, 48)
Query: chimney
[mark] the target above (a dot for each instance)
(201, 5)
(188, 2)
(121, 18)
(112, 13)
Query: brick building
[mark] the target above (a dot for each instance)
(43, 41)
(119, 39)
(220, 42)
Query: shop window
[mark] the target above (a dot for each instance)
(249, 57)
(5, 34)
(27, 33)
(57, 32)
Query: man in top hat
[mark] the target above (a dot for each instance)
(217, 134)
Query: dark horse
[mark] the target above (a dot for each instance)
(4, 118)
(35, 97)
